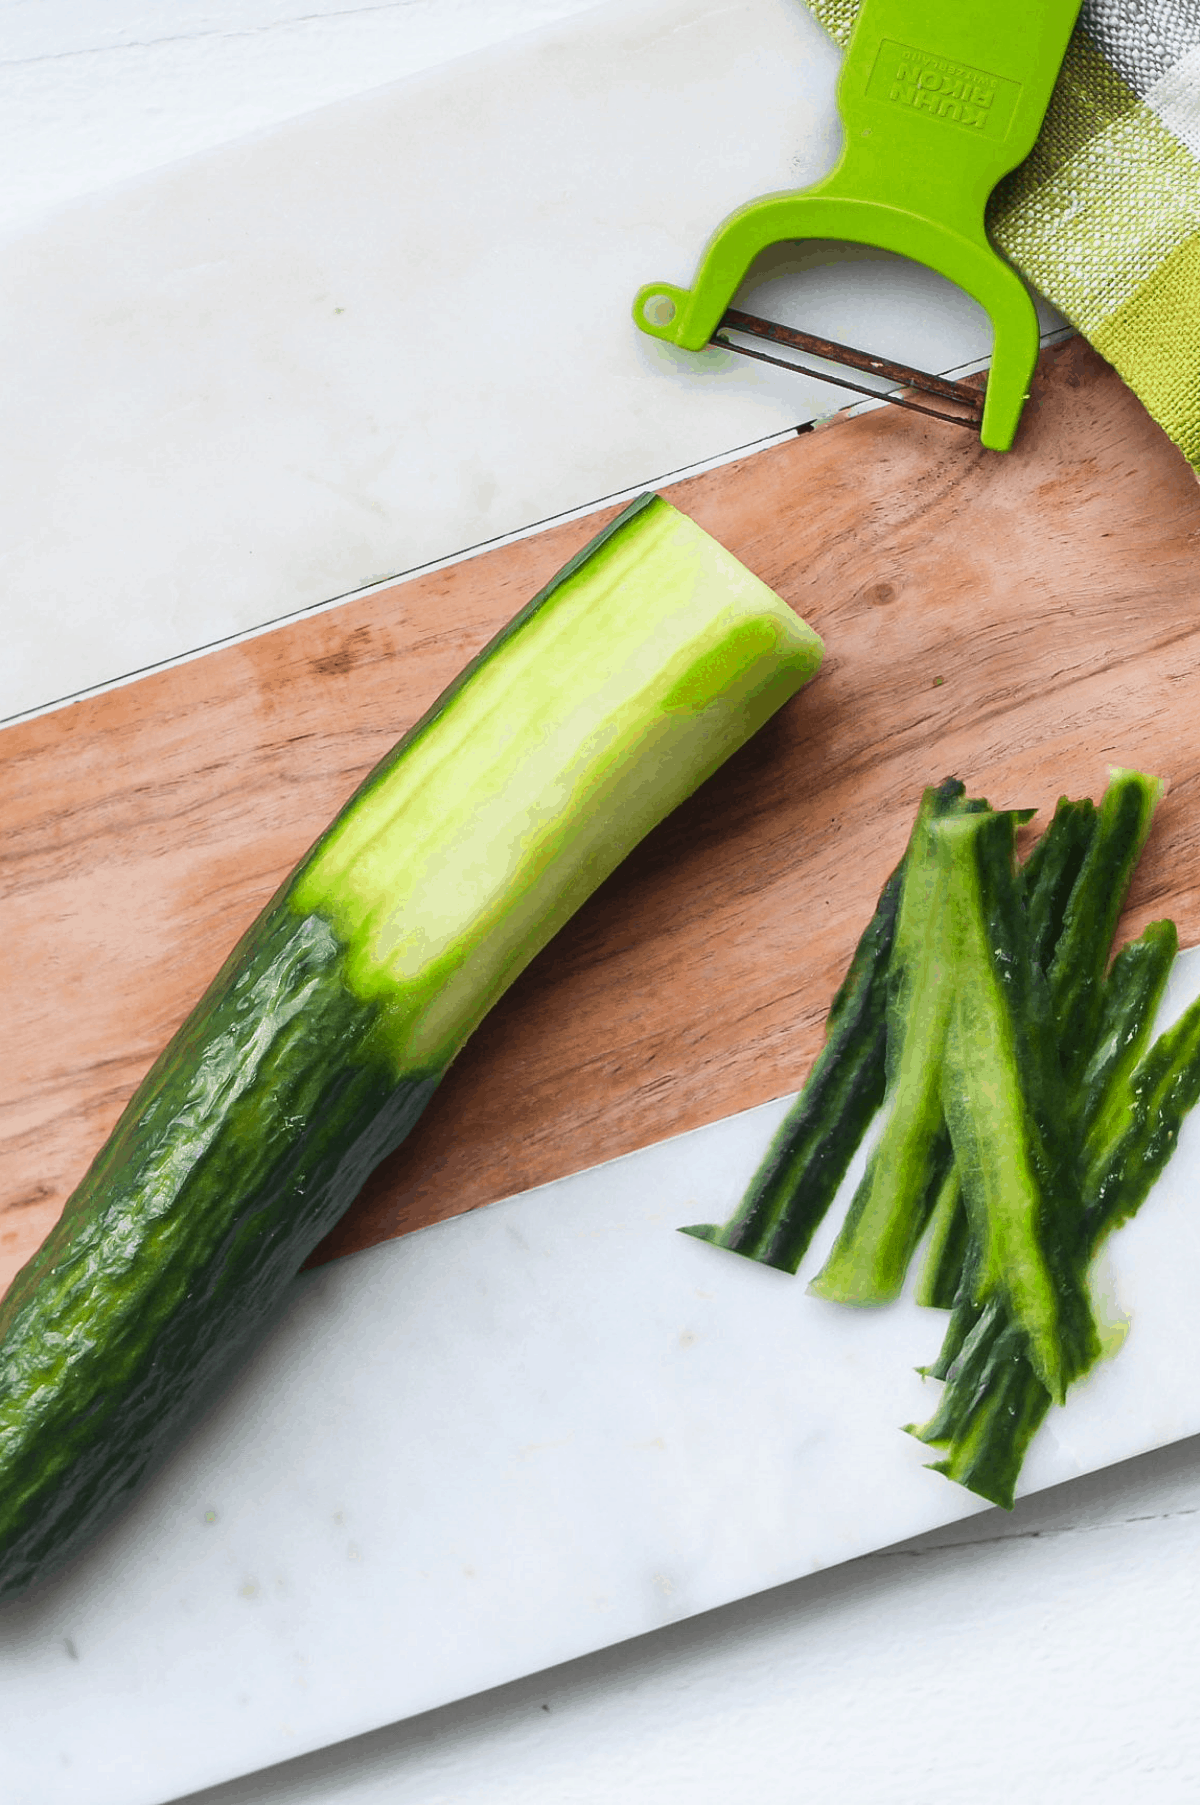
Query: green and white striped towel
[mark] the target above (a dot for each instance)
(1104, 215)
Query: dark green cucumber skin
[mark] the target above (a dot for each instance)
(1049, 1145)
(799, 1175)
(994, 1401)
(1132, 993)
(997, 1401)
(807, 1161)
(948, 1239)
(243, 1145)
(904, 1180)
(991, 1411)
(1050, 873)
(1080, 961)
(1046, 881)
(1121, 1164)
(964, 1314)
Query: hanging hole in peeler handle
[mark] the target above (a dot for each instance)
(656, 309)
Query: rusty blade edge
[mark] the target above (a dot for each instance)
(916, 407)
(942, 386)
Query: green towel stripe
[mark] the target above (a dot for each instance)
(1152, 342)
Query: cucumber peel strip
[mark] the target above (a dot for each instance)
(869, 1260)
(1005, 1104)
(1130, 1104)
(994, 1401)
(1046, 879)
(798, 1177)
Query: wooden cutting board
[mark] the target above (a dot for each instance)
(1025, 621)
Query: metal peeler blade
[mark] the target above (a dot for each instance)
(963, 394)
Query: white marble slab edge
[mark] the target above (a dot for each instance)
(374, 338)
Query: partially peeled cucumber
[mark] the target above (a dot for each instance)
(649, 659)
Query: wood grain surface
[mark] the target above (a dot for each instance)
(1025, 621)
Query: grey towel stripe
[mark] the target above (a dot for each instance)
(1142, 39)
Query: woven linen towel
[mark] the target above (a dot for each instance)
(1104, 215)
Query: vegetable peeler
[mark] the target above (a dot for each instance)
(938, 100)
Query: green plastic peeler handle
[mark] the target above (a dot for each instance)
(939, 99)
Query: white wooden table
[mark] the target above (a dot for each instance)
(1032, 1657)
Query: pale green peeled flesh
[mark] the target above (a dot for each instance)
(648, 666)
